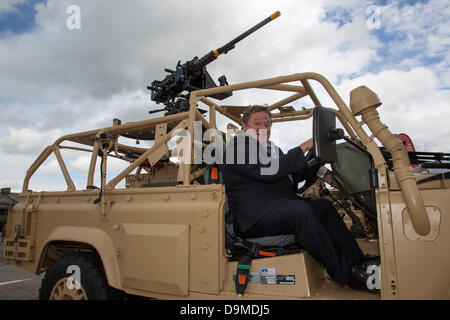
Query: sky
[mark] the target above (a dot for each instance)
(69, 66)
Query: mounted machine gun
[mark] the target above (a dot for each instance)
(192, 75)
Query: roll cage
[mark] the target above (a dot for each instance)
(104, 142)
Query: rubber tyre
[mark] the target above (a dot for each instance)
(92, 277)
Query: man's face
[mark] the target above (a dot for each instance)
(258, 124)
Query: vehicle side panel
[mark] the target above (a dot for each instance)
(422, 262)
(166, 240)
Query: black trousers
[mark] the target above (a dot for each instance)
(318, 228)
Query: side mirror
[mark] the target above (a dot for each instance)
(325, 134)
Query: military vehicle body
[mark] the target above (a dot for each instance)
(163, 235)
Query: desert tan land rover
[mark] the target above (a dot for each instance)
(163, 233)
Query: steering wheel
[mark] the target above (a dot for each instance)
(307, 174)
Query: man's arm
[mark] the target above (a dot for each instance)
(307, 145)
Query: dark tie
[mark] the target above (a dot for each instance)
(269, 148)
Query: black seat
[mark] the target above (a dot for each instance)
(276, 242)
(267, 241)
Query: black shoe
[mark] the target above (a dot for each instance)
(363, 273)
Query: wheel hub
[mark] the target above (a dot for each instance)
(68, 289)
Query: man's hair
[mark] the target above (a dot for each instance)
(252, 109)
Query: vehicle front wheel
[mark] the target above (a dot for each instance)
(77, 276)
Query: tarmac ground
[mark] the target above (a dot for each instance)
(16, 283)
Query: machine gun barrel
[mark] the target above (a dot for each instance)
(192, 75)
(213, 54)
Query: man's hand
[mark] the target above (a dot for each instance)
(307, 145)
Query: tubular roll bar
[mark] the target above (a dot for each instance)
(187, 119)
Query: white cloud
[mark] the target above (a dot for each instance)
(80, 164)
(27, 141)
(395, 86)
(412, 103)
(50, 167)
(14, 167)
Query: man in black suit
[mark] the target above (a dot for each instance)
(259, 187)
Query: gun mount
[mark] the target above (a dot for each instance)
(192, 75)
